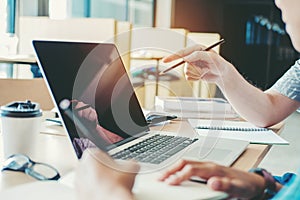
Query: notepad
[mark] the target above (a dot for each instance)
(236, 130)
(230, 128)
(194, 104)
(193, 107)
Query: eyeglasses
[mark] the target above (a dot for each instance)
(39, 171)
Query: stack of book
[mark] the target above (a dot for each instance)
(192, 107)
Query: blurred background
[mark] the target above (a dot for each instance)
(256, 40)
(256, 43)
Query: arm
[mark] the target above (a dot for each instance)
(260, 108)
(99, 177)
(234, 182)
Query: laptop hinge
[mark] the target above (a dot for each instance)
(126, 140)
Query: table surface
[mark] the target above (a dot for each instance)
(56, 149)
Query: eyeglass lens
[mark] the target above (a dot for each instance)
(40, 171)
(16, 162)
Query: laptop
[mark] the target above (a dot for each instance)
(93, 81)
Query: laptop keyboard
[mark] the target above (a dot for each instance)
(155, 149)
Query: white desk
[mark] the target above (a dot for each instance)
(54, 149)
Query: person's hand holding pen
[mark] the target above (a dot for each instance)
(87, 112)
(201, 63)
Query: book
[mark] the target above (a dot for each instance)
(193, 107)
(194, 104)
(236, 130)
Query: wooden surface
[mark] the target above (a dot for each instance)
(54, 148)
(25, 89)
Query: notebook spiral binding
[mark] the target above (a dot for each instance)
(232, 128)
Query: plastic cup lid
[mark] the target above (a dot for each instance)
(21, 109)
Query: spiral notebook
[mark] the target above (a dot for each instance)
(231, 128)
(236, 130)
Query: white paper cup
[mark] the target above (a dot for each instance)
(21, 123)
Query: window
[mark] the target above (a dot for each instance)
(11, 13)
(5, 39)
(138, 12)
(3, 17)
(141, 12)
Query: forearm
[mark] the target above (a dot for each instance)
(261, 108)
(250, 102)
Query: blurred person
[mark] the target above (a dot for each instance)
(261, 108)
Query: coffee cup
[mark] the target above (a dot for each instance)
(21, 123)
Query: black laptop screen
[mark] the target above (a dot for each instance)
(94, 78)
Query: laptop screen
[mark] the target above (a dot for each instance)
(93, 77)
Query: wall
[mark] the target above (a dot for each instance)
(260, 63)
(163, 14)
(198, 15)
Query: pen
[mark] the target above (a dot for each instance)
(203, 100)
(198, 180)
(83, 107)
(180, 63)
(54, 120)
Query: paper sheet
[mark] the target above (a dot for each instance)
(254, 137)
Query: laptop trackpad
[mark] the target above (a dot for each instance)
(207, 154)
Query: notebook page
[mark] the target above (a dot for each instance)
(236, 130)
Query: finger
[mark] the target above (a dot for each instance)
(192, 77)
(194, 71)
(208, 78)
(182, 53)
(92, 115)
(233, 187)
(197, 57)
(218, 183)
(195, 167)
(204, 71)
(85, 114)
(183, 175)
(177, 167)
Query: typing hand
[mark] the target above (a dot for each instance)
(234, 182)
